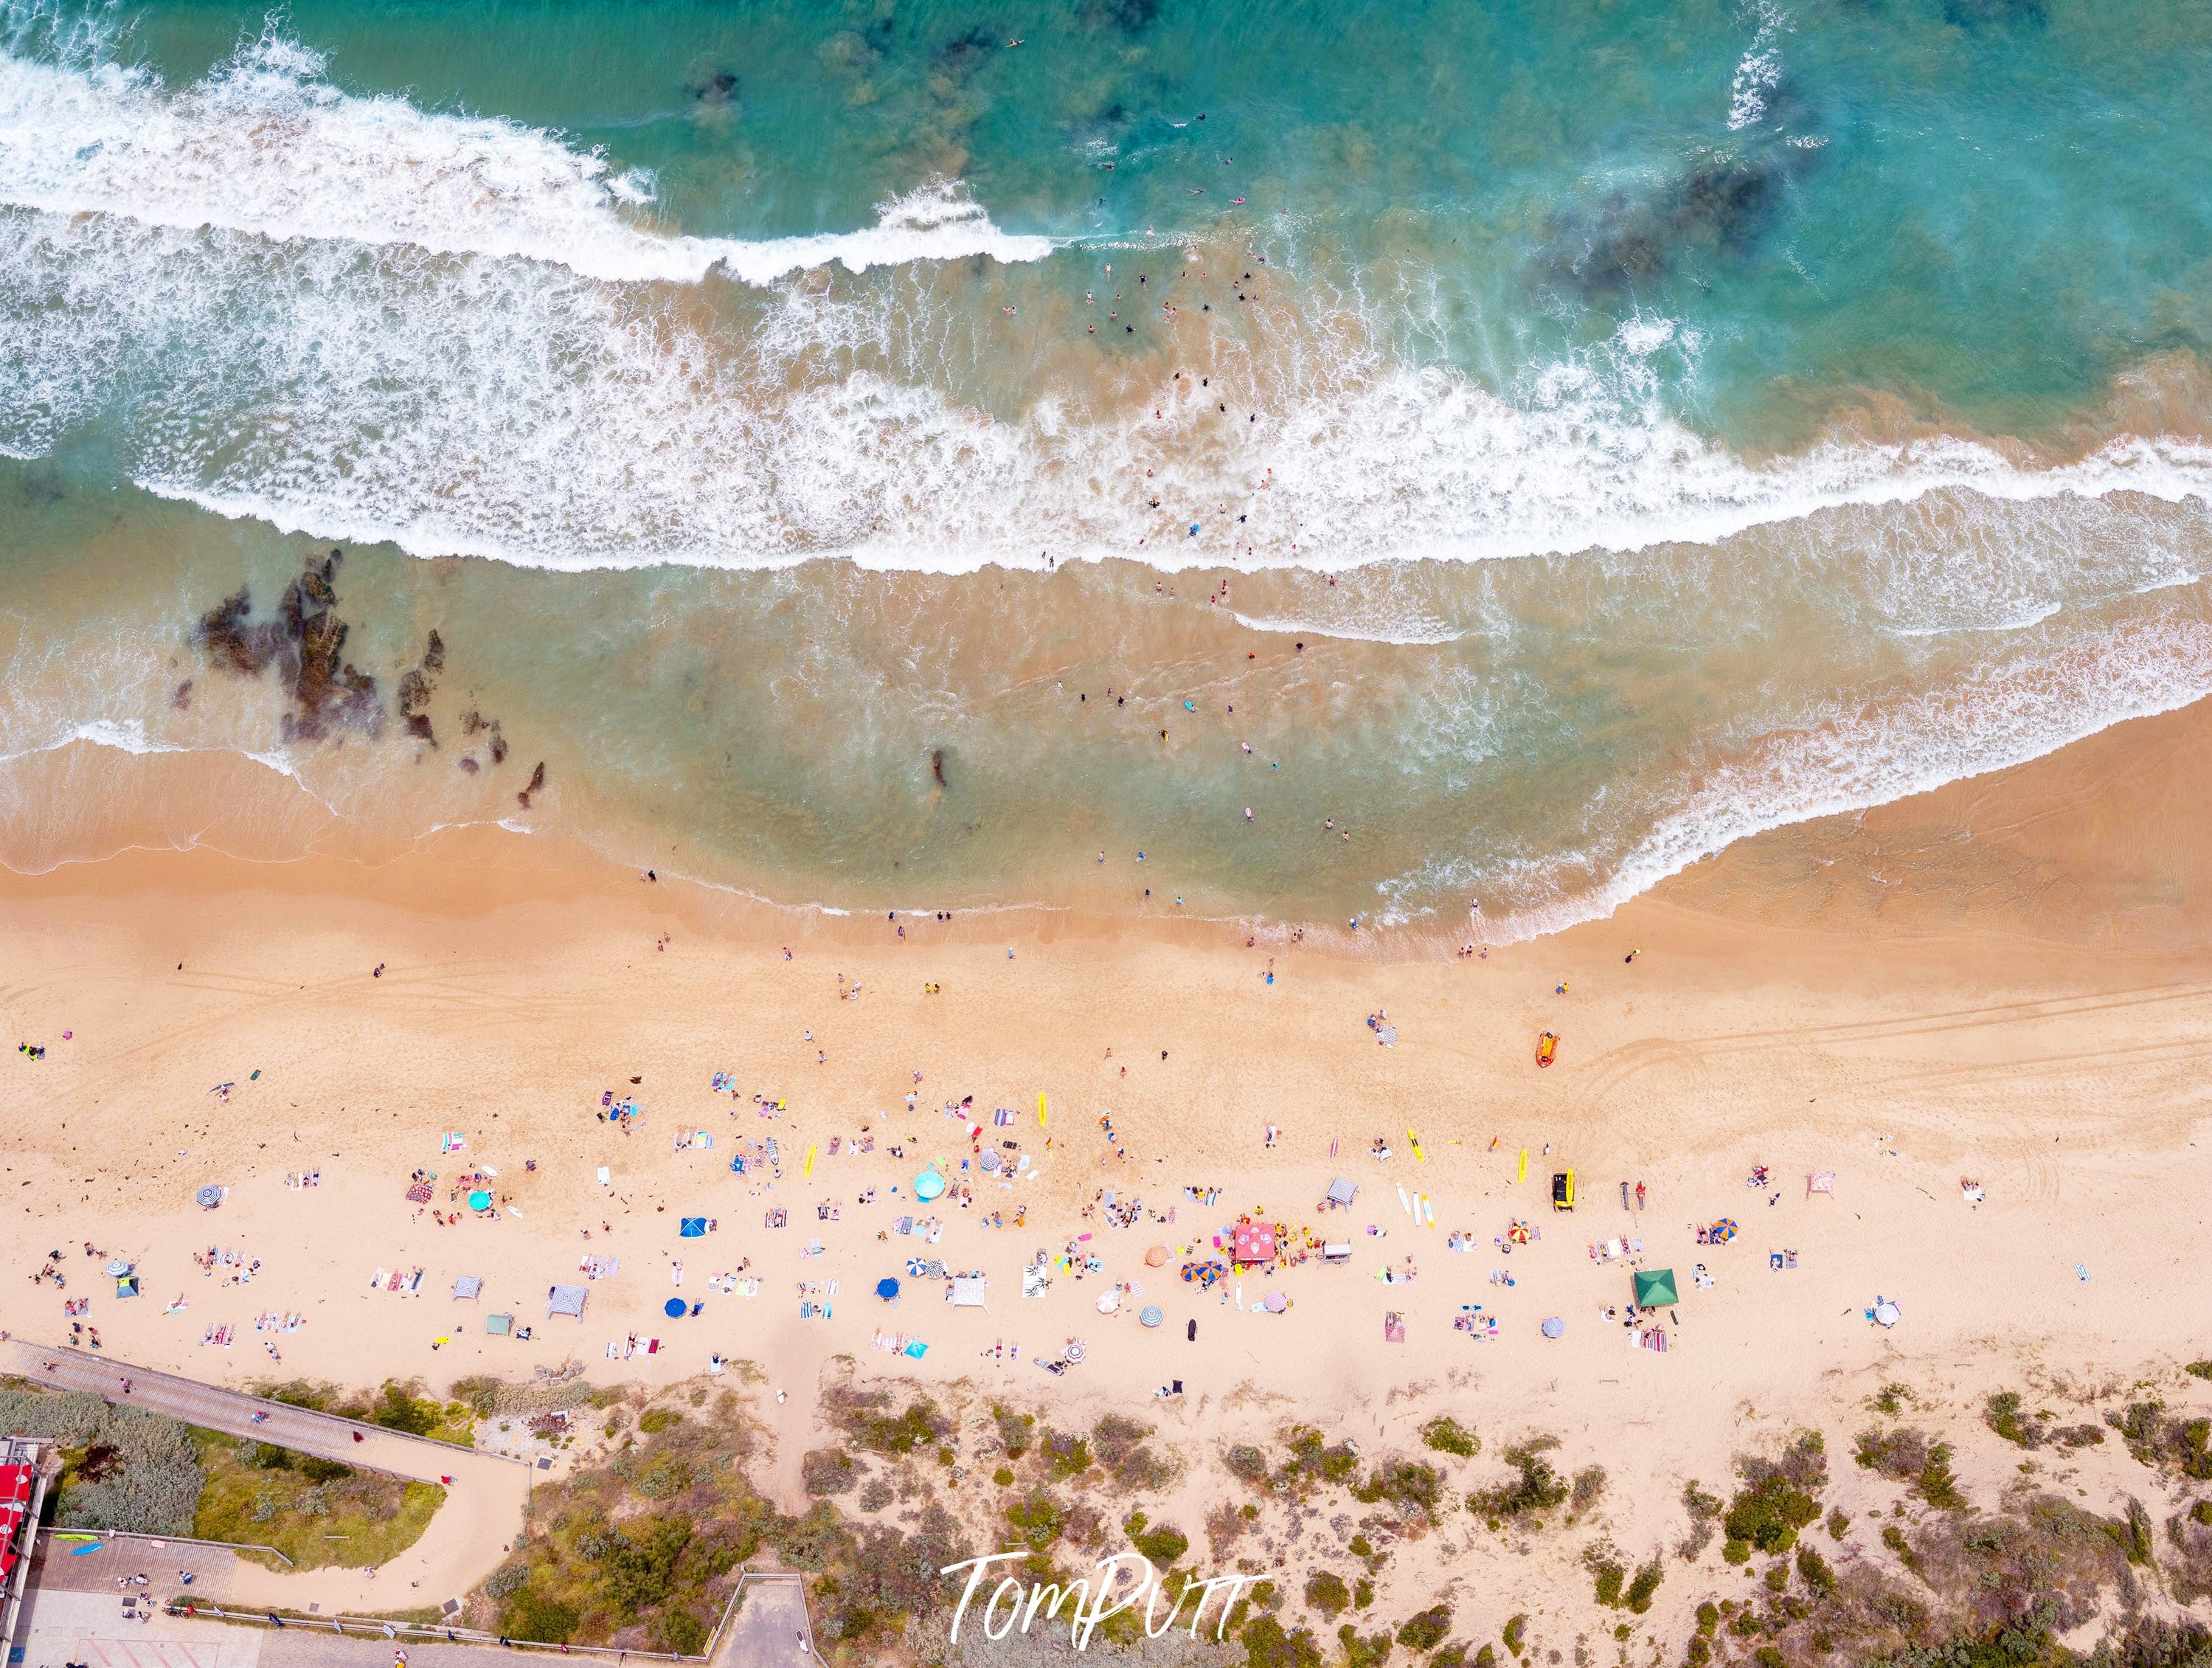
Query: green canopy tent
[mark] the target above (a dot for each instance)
(1655, 1288)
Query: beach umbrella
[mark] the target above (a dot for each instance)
(988, 1161)
(479, 1200)
(118, 1268)
(209, 1197)
(1151, 1315)
(887, 1289)
(1109, 1300)
(1275, 1303)
(1554, 1327)
(672, 1308)
(1655, 1288)
(928, 1185)
(1074, 1350)
(1886, 1313)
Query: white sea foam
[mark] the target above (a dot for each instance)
(352, 317)
(1848, 757)
(1759, 72)
(264, 145)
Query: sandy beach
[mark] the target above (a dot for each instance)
(2004, 983)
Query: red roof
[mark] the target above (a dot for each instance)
(1253, 1242)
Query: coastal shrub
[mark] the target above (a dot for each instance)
(507, 1581)
(679, 1632)
(1162, 1543)
(2199, 1369)
(1704, 1512)
(1065, 1455)
(1119, 1443)
(1453, 1655)
(1246, 1463)
(1037, 1519)
(1427, 1630)
(1003, 1477)
(70, 1418)
(1362, 1653)
(823, 1471)
(1485, 1658)
(1014, 1431)
(1611, 1578)
(1446, 1436)
(1402, 1482)
(1935, 1483)
(653, 1420)
(1267, 1645)
(2002, 1414)
(1778, 1499)
(1890, 1400)
(1840, 1523)
(140, 1472)
(538, 1619)
(1516, 1627)
(866, 1419)
(1589, 1487)
(1313, 1459)
(1535, 1488)
(1363, 1592)
(396, 1410)
(1643, 1585)
(1327, 1593)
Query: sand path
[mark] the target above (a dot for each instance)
(486, 1495)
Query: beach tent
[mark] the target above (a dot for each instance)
(968, 1292)
(928, 1185)
(127, 1286)
(1253, 1242)
(1655, 1288)
(565, 1300)
(1341, 1193)
(1822, 1181)
(691, 1228)
(500, 1326)
(468, 1288)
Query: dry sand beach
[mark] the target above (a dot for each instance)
(2004, 981)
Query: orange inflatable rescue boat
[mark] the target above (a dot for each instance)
(1548, 1046)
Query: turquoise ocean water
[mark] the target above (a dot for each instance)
(891, 454)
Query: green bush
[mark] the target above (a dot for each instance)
(1425, 1631)
(1065, 1455)
(1446, 1435)
(1327, 1593)
(1162, 1543)
(1360, 1652)
(1267, 1645)
(1643, 1585)
(1815, 1570)
(1402, 1482)
(1246, 1463)
(656, 1420)
(1038, 1520)
(1769, 1512)
(1611, 1578)
(1363, 1593)
(1734, 1551)
(1313, 1460)
(1516, 1627)
(1840, 1523)
(1537, 1487)
(679, 1632)
(2199, 1369)
(1003, 1477)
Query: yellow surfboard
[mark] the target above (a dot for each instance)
(808, 1168)
(1524, 1165)
(1040, 1109)
(1414, 1141)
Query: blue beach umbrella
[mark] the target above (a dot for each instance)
(887, 1289)
(673, 1308)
